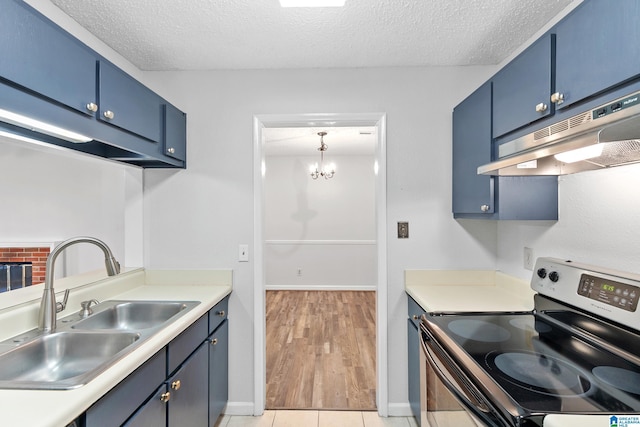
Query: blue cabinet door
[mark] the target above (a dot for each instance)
(489, 197)
(175, 133)
(189, 390)
(40, 56)
(597, 48)
(521, 90)
(153, 413)
(218, 371)
(128, 104)
(123, 400)
(413, 347)
(472, 193)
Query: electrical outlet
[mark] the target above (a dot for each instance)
(299, 272)
(528, 258)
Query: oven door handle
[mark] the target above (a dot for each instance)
(455, 381)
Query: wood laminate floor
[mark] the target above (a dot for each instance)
(321, 350)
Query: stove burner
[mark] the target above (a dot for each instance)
(622, 379)
(524, 323)
(546, 373)
(479, 330)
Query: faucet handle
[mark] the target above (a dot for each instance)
(62, 305)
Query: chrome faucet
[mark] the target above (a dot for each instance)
(48, 306)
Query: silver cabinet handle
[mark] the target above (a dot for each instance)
(109, 114)
(221, 313)
(171, 150)
(214, 341)
(484, 208)
(92, 106)
(541, 108)
(557, 98)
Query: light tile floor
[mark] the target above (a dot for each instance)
(316, 419)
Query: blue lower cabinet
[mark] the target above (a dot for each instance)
(115, 407)
(413, 351)
(218, 371)
(154, 412)
(184, 384)
(188, 405)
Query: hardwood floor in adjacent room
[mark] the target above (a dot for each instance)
(321, 350)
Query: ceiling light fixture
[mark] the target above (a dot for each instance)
(312, 3)
(325, 171)
(41, 127)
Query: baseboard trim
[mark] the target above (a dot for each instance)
(239, 408)
(320, 288)
(400, 410)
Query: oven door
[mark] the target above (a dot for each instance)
(451, 399)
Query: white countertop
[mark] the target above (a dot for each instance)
(468, 290)
(35, 408)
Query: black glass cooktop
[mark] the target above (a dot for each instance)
(543, 367)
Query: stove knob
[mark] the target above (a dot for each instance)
(554, 276)
(542, 273)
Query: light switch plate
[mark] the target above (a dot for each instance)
(243, 253)
(403, 230)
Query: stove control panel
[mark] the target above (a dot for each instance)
(610, 292)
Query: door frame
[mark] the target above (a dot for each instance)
(260, 122)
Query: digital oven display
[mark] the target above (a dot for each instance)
(610, 292)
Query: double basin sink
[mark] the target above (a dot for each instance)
(82, 348)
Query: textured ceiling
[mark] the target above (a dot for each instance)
(259, 34)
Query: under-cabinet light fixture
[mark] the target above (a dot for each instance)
(42, 127)
(583, 153)
(312, 3)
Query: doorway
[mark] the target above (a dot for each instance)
(378, 121)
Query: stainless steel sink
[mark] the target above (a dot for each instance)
(81, 349)
(132, 315)
(61, 360)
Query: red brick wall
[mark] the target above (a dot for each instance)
(37, 256)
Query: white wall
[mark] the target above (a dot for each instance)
(197, 218)
(50, 195)
(320, 234)
(599, 216)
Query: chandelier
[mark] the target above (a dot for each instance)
(325, 171)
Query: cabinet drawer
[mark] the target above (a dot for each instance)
(115, 407)
(218, 313)
(185, 344)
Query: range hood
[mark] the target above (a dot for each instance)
(609, 135)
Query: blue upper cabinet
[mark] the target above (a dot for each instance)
(49, 76)
(472, 193)
(492, 197)
(126, 103)
(175, 133)
(521, 89)
(38, 56)
(597, 48)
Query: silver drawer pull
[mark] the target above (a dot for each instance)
(109, 114)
